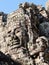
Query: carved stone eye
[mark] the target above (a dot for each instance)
(44, 41)
(8, 44)
(37, 41)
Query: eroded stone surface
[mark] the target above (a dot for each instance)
(24, 34)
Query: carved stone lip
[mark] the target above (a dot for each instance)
(44, 46)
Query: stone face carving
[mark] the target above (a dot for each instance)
(42, 44)
(24, 34)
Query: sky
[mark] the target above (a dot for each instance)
(8, 6)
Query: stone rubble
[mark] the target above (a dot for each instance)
(24, 34)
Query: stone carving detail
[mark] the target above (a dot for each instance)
(24, 35)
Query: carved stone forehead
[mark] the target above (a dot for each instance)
(42, 38)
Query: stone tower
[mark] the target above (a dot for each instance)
(47, 5)
(3, 21)
(3, 18)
